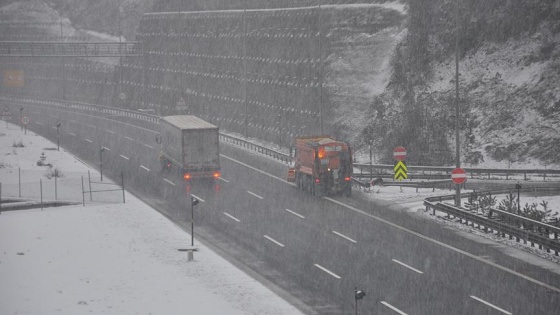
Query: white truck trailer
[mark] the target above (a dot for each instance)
(190, 145)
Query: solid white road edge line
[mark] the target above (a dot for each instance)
(344, 236)
(407, 266)
(232, 217)
(491, 305)
(327, 271)
(295, 213)
(393, 308)
(273, 240)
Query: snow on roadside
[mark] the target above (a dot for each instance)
(110, 258)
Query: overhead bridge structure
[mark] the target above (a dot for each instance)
(70, 49)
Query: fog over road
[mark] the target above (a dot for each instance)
(319, 249)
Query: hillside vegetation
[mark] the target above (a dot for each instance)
(509, 84)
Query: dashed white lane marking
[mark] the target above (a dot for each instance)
(111, 132)
(491, 305)
(252, 193)
(147, 169)
(72, 134)
(125, 157)
(345, 237)
(273, 240)
(127, 138)
(197, 197)
(327, 271)
(227, 181)
(407, 266)
(88, 140)
(168, 181)
(393, 308)
(295, 213)
(149, 146)
(105, 148)
(232, 217)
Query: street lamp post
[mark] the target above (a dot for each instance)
(358, 295)
(194, 202)
(101, 161)
(58, 136)
(21, 117)
(518, 187)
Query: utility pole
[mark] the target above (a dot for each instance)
(194, 202)
(457, 142)
(245, 69)
(320, 73)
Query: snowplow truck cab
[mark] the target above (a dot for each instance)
(322, 166)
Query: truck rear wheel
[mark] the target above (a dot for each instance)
(348, 191)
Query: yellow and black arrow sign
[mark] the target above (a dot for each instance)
(400, 171)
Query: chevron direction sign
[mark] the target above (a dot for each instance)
(400, 171)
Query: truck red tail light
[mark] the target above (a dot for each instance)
(187, 176)
(217, 175)
(317, 181)
(347, 179)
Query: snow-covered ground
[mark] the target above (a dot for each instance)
(106, 257)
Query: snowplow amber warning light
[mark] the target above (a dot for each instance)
(216, 175)
(187, 176)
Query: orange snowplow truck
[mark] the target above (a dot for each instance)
(323, 166)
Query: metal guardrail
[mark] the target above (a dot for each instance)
(91, 108)
(504, 224)
(285, 158)
(435, 172)
(69, 49)
(380, 169)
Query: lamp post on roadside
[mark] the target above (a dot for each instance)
(58, 136)
(358, 295)
(101, 161)
(518, 187)
(194, 202)
(20, 118)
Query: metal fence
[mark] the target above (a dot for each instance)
(21, 189)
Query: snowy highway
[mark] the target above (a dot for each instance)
(318, 249)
